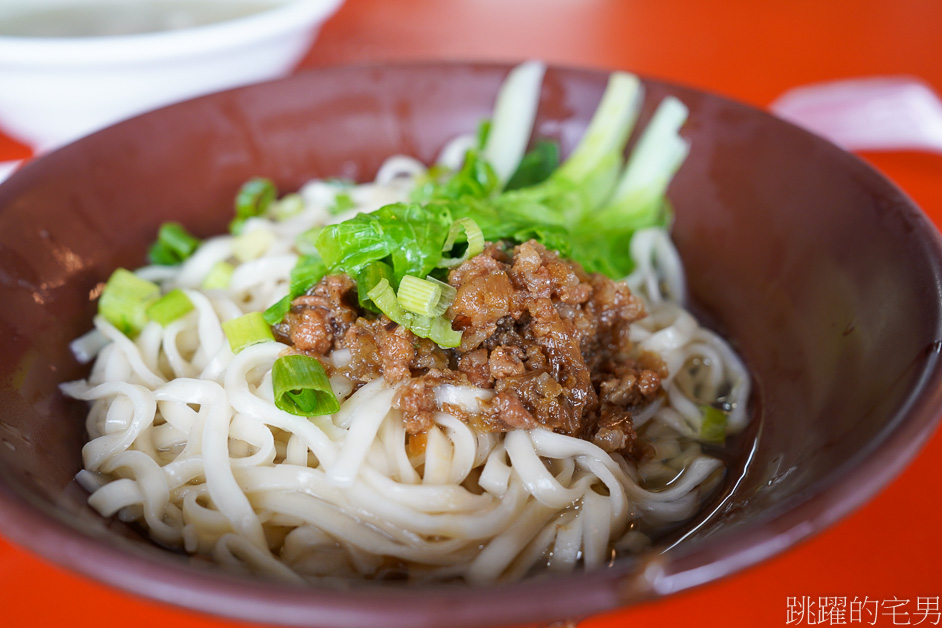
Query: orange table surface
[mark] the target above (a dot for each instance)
(752, 51)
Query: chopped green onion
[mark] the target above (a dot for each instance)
(385, 299)
(252, 245)
(253, 199)
(713, 428)
(276, 313)
(368, 277)
(219, 276)
(473, 235)
(246, 330)
(125, 300)
(289, 206)
(443, 334)
(418, 295)
(342, 203)
(435, 328)
(174, 245)
(447, 298)
(421, 326)
(301, 386)
(170, 307)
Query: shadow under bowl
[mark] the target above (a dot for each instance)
(823, 275)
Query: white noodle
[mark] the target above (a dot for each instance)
(185, 437)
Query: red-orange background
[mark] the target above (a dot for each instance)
(750, 50)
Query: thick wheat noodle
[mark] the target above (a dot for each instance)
(185, 439)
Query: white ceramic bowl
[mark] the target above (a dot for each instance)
(54, 89)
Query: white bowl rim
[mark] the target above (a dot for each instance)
(116, 50)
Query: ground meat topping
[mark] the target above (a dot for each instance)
(316, 321)
(549, 342)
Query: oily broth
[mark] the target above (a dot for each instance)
(104, 18)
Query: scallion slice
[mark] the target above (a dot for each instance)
(289, 206)
(437, 329)
(434, 327)
(253, 199)
(418, 295)
(384, 297)
(301, 386)
(170, 307)
(421, 326)
(448, 296)
(473, 235)
(219, 276)
(125, 300)
(246, 330)
(713, 428)
(442, 333)
(174, 245)
(252, 245)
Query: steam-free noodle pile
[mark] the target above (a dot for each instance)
(185, 436)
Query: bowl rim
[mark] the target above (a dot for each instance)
(631, 580)
(33, 53)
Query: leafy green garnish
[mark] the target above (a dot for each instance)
(590, 206)
(536, 166)
(407, 236)
(475, 179)
(587, 209)
(368, 277)
(305, 241)
(483, 131)
(308, 270)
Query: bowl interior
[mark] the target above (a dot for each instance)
(825, 277)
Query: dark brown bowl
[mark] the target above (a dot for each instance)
(823, 274)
